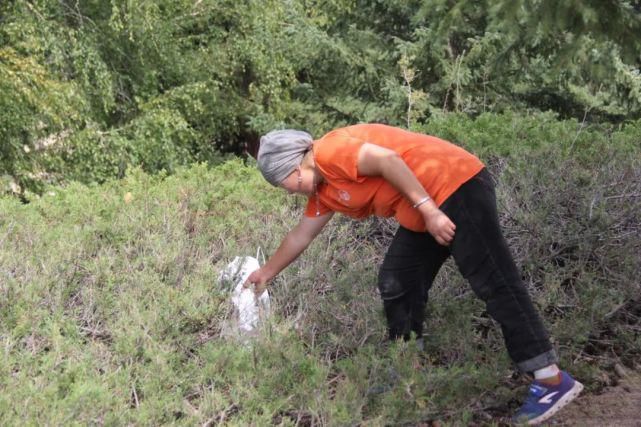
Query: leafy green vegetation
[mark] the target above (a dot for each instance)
(119, 122)
(89, 89)
(110, 312)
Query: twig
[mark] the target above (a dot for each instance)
(35, 11)
(133, 390)
(221, 416)
(621, 196)
(581, 127)
(458, 80)
(615, 310)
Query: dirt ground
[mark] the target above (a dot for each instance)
(617, 406)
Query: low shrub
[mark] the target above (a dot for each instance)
(110, 312)
(515, 133)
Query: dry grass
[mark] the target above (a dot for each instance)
(110, 314)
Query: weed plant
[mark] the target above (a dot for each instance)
(110, 312)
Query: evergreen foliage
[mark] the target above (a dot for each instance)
(91, 88)
(110, 312)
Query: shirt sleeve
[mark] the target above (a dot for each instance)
(336, 156)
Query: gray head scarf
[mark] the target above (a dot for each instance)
(280, 152)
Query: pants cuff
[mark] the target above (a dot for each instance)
(541, 361)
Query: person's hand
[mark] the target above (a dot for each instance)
(440, 227)
(259, 279)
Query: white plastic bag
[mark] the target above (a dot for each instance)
(250, 310)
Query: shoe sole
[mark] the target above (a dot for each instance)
(567, 398)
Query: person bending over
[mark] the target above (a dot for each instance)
(444, 201)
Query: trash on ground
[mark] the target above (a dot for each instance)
(249, 309)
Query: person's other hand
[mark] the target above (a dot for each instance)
(259, 279)
(440, 227)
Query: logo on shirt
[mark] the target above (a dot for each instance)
(344, 195)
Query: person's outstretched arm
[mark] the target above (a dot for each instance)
(374, 160)
(294, 243)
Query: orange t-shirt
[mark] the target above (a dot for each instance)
(440, 166)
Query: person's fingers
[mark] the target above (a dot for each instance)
(259, 289)
(253, 278)
(450, 228)
(448, 236)
(250, 281)
(445, 232)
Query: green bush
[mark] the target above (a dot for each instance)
(515, 133)
(160, 84)
(110, 312)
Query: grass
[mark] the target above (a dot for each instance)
(110, 312)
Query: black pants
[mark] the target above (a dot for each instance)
(483, 258)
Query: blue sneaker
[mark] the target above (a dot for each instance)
(544, 400)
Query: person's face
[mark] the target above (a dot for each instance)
(299, 182)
